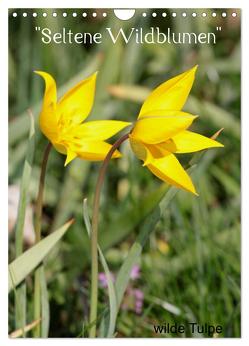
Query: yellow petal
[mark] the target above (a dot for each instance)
(163, 165)
(48, 119)
(95, 150)
(100, 129)
(171, 95)
(169, 169)
(158, 126)
(187, 142)
(60, 148)
(138, 148)
(70, 156)
(77, 103)
(50, 96)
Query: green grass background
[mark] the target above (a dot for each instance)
(195, 275)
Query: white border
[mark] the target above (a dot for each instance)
(122, 4)
(4, 164)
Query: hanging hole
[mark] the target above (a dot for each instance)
(124, 14)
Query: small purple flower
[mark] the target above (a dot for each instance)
(134, 300)
(139, 294)
(134, 297)
(138, 307)
(103, 279)
(139, 300)
(135, 272)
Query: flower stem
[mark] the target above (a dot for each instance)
(94, 237)
(38, 217)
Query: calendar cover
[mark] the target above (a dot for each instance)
(124, 173)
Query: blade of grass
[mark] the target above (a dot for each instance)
(111, 290)
(17, 307)
(147, 227)
(20, 296)
(176, 266)
(132, 215)
(30, 259)
(24, 187)
(70, 193)
(231, 185)
(20, 332)
(37, 226)
(130, 218)
(44, 304)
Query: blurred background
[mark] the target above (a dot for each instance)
(189, 270)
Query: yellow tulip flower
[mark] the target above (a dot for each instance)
(62, 121)
(161, 131)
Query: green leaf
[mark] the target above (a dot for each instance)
(24, 187)
(44, 304)
(70, 193)
(110, 285)
(132, 258)
(20, 306)
(230, 184)
(130, 218)
(29, 260)
(147, 227)
(20, 294)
